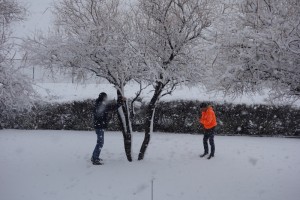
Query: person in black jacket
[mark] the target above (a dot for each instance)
(101, 120)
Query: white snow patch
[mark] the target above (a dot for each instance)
(63, 92)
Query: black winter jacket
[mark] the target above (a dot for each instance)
(101, 113)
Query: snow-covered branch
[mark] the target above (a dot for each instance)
(16, 90)
(258, 44)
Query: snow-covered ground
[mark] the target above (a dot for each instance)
(48, 165)
(62, 92)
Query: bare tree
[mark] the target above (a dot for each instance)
(170, 35)
(16, 90)
(91, 36)
(259, 48)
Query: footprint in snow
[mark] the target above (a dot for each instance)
(253, 161)
(140, 188)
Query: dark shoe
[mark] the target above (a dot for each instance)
(210, 156)
(96, 161)
(203, 155)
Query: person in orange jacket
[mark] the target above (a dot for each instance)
(209, 122)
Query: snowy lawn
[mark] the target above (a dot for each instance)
(64, 92)
(44, 165)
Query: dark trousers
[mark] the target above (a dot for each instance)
(209, 136)
(100, 143)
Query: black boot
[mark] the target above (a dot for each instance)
(210, 156)
(96, 161)
(203, 155)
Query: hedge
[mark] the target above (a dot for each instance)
(175, 117)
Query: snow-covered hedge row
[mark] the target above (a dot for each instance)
(176, 116)
(232, 118)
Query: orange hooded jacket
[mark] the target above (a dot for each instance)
(208, 118)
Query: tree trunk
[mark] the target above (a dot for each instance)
(148, 126)
(125, 124)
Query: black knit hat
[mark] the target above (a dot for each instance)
(102, 95)
(203, 105)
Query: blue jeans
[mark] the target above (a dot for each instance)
(100, 143)
(209, 136)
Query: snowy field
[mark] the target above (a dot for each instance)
(48, 165)
(64, 92)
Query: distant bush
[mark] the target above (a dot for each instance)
(175, 116)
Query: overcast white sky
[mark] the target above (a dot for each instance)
(40, 17)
